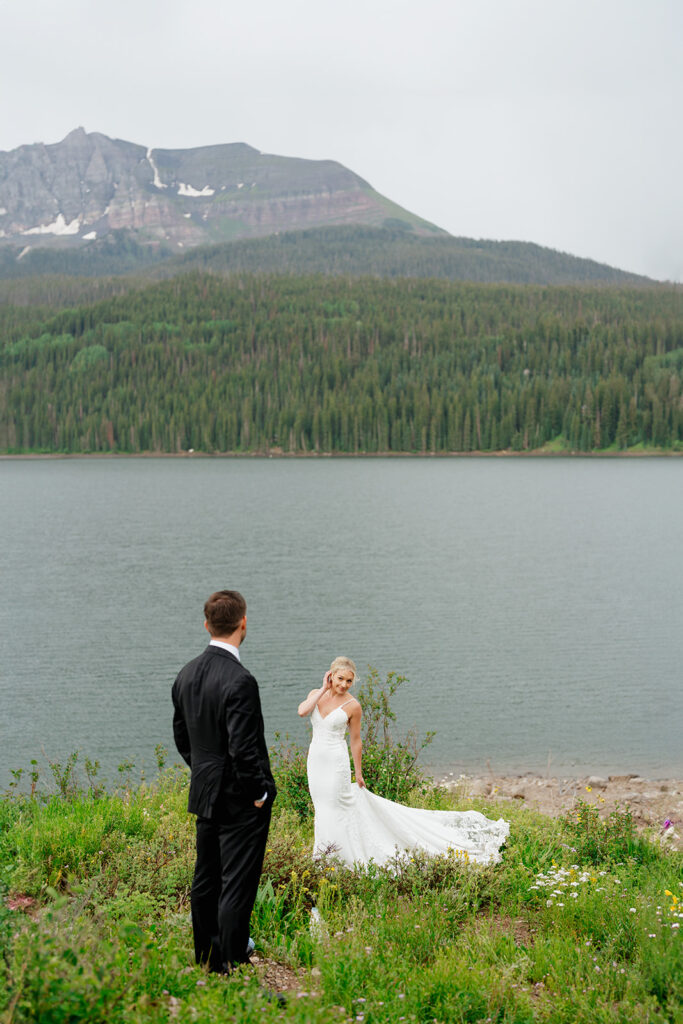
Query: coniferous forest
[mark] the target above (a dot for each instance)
(259, 363)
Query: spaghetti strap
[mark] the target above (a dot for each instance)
(346, 702)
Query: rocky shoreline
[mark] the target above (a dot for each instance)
(278, 453)
(653, 802)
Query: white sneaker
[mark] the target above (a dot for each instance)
(251, 946)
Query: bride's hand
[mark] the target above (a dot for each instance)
(360, 781)
(327, 682)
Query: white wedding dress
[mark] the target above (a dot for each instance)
(358, 827)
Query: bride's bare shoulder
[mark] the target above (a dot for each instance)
(354, 707)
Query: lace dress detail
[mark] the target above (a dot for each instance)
(357, 826)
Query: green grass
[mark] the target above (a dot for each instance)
(573, 925)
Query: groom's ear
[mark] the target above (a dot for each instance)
(206, 626)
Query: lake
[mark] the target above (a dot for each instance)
(534, 604)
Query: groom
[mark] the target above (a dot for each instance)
(218, 730)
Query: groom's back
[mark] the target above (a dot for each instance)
(218, 728)
(202, 689)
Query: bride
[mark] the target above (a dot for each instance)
(358, 826)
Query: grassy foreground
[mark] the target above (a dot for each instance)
(579, 922)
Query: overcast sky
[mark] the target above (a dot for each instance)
(552, 121)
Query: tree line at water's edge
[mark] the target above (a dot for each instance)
(308, 364)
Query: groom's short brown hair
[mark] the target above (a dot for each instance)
(224, 611)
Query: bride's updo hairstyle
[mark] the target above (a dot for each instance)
(343, 663)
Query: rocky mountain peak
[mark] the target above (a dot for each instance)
(87, 185)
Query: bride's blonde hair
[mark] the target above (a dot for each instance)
(343, 663)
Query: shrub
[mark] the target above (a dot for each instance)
(596, 840)
(389, 763)
(288, 763)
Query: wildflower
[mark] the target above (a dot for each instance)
(589, 789)
(631, 910)
(667, 824)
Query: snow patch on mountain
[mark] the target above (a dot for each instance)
(158, 183)
(57, 227)
(188, 190)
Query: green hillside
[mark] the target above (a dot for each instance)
(394, 250)
(258, 363)
(119, 252)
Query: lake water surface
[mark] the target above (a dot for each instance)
(533, 604)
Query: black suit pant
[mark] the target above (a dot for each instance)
(226, 878)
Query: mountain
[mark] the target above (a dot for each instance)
(83, 188)
(93, 206)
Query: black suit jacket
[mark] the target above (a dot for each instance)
(218, 730)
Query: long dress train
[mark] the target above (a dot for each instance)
(357, 826)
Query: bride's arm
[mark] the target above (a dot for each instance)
(356, 744)
(306, 706)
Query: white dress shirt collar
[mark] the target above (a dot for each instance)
(226, 647)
